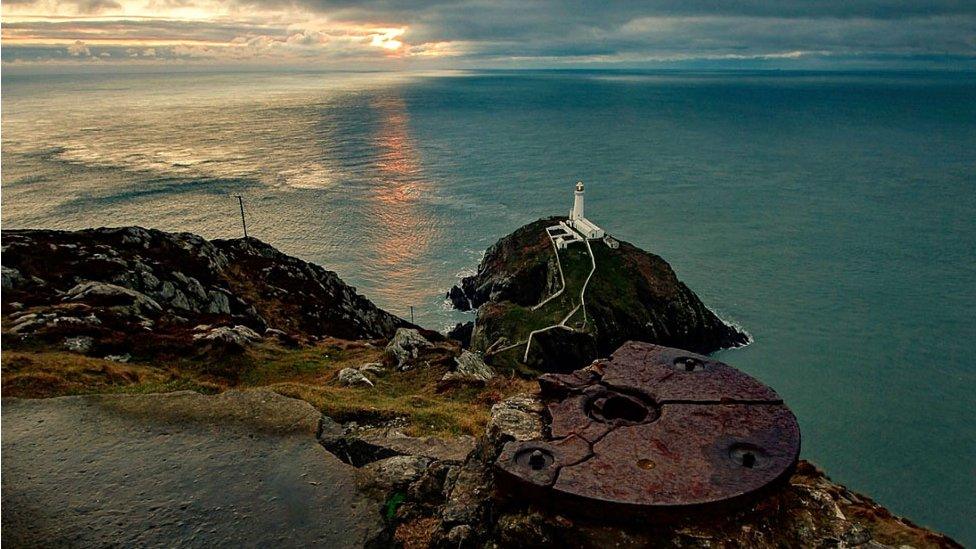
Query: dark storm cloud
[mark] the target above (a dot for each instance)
(622, 10)
(677, 27)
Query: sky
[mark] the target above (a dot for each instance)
(388, 34)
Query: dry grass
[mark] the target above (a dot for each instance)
(307, 373)
(46, 374)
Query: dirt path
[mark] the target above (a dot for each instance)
(177, 469)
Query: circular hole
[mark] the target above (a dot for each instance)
(645, 464)
(688, 364)
(619, 408)
(747, 455)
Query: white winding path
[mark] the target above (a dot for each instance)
(582, 303)
(559, 264)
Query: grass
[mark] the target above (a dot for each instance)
(38, 374)
(516, 322)
(306, 373)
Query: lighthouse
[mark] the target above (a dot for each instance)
(577, 211)
(582, 225)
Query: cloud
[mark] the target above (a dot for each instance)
(79, 49)
(496, 33)
(97, 6)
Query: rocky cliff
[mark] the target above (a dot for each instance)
(147, 292)
(632, 295)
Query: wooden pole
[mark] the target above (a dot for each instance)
(411, 315)
(240, 199)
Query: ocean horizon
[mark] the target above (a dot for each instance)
(830, 215)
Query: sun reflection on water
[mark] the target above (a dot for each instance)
(405, 231)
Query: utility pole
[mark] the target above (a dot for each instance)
(240, 199)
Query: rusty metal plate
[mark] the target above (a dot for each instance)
(652, 431)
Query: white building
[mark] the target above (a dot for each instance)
(582, 225)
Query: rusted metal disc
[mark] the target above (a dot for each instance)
(653, 431)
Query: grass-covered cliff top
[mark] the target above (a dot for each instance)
(309, 374)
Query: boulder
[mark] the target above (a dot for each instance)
(516, 418)
(352, 376)
(218, 303)
(118, 297)
(405, 346)
(470, 368)
(240, 336)
(11, 278)
(396, 472)
(79, 344)
(462, 333)
(359, 446)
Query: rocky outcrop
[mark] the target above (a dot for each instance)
(467, 509)
(405, 347)
(470, 367)
(633, 295)
(112, 283)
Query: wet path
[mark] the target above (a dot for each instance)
(237, 469)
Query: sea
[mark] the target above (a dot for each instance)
(830, 215)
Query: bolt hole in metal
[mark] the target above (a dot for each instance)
(535, 458)
(688, 364)
(747, 455)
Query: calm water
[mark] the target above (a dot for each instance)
(831, 215)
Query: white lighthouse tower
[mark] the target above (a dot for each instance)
(577, 211)
(582, 225)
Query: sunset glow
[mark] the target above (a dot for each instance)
(324, 33)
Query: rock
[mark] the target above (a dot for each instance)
(560, 350)
(459, 299)
(119, 358)
(182, 279)
(238, 336)
(11, 278)
(459, 536)
(525, 530)
(429, 489)
(462, 333)
(396, 471)
(192, 286)
(468, 498)
(470, 368)
(79, 344)
(516, 418)
(219, 303)
(283, 337)
(30, 322)
(405, 346)
(352, 376)
(361, 446)
(114, 296)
